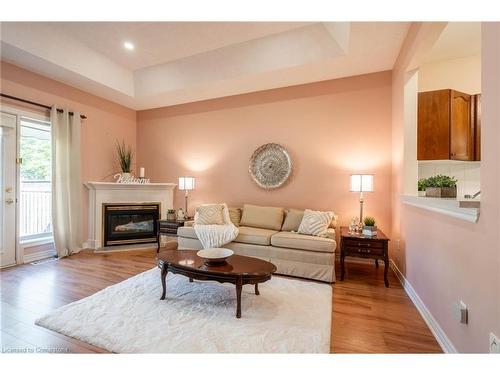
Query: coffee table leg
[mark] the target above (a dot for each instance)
(257, 289)
(238, 298)
(164, 271)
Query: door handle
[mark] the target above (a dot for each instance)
(9, 201)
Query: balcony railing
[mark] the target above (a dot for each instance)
(35, 208)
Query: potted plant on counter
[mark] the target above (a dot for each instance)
(421, 187)
(369, 229)
(440, 186)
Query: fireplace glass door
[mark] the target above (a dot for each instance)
(130, 223)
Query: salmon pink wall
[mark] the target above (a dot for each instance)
(331, 129)
(445, 259)
(106, 121)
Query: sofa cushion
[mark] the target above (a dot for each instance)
(187, 231)
(262, 217)
(256, 236)
(292, 221)
(303, 242)
(235, 215)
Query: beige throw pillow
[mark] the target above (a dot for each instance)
(209, 214)
(235, 215)
(293, 219)
(315, 223)
(262, 217)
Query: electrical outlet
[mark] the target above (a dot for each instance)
(460, 312)
(494, 344)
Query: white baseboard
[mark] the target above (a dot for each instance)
(433, 325)
(89, 244)
(29, 258)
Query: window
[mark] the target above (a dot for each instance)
(36, 179)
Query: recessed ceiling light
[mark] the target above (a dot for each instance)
(129, 46)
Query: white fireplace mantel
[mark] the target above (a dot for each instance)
(115, 186)
(112, 192)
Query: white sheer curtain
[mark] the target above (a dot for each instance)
(66, 182)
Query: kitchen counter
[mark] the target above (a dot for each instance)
(465, 209)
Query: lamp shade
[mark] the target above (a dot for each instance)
(186, 183)
(361, 182)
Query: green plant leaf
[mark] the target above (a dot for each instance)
(437, 181)
(369, 221)
(125, 156)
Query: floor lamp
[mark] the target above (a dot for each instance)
(361, 183)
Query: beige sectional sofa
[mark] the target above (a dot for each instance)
(261, 235)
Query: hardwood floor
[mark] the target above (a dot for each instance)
(367, 317)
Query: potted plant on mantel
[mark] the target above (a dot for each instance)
(440, 186)
(125, 157)
(369, 229)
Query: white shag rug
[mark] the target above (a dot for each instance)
(289, 316)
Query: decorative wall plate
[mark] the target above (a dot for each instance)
(270, 166)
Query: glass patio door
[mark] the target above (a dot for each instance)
(35, 187)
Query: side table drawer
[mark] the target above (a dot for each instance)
(168, 230)
(170, 225)
(359, 250)
(363, 243)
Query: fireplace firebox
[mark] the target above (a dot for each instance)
(125, 224)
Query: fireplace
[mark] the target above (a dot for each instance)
(125, 224)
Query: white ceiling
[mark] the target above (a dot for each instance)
(175, 62)
(458, 39)
(162, 42)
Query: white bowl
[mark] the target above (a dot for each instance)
(215, 255)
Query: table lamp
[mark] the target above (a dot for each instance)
(361, 183)
(186, 183)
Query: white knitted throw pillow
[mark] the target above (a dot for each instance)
(209, 214)
(315, 223)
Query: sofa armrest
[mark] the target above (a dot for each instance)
(330, 233)
(189, 223)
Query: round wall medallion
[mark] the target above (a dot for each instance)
(270, 166)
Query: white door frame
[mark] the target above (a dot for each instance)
(18, 112)
(12, 123)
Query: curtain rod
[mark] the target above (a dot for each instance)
(37, 104)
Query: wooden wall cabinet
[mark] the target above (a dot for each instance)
(447, 126)
(477, 121)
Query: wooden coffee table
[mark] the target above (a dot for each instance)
(238, 270)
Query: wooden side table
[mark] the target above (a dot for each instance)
(167, 228)
(358, 245)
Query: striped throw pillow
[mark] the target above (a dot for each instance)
(209, 214)
(315, 223)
